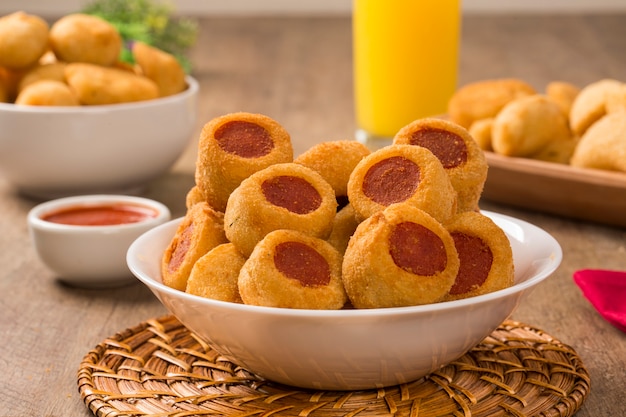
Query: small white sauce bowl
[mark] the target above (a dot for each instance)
(90, 256)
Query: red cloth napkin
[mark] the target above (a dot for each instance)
(606, 291)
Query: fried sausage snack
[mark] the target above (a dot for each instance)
(233, 147)
(335, 161)
(23, 40)
(290, 269)
(486, 258)
(400, 173)
(400, 256)
(215, 274)
(281, 196)
(201, 230)
(458, 152)
(86, 38)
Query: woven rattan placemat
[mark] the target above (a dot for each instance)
(159, 368)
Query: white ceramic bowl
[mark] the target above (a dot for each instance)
(87, 255)
(349, 349)
(51, 152)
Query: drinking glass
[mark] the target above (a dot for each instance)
(405, 63)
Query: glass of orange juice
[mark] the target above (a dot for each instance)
(405, 63)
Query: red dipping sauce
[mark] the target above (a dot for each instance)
(101, 215)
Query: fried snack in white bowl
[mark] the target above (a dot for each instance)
(349, 349)
(54, 151)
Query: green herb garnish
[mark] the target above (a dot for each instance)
(150, 22)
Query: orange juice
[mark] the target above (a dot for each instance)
(405, 61)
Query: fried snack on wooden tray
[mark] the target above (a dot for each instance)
(47, 93)
(400, 256)
(215, 274)
(563, 94)
(526, 126)
(233, 147)
(86, 38)
(483, 99)
(23, 40)
(281, 196)
(480, 130)
(485, 254)
(161, 67)
(590, 104)
(335, 161)
(400, 173)
(616, 99)
(603, 146)
(201, 230)
(95, 84)
(457, 151)
(290, 269)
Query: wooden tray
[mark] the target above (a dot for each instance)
(584, 194)
(159, 368)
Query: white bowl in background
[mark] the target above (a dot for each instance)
(91, 256)
(349, 349)
(54, 151)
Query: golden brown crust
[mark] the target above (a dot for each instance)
(483, 99)
(374, 278)
(563, 94)
(47, 93)
(194, 195)
(616, 99)
(4, 90)
(480, 130)
(590, 104)
(267, 282)
(457, 150)
(215, 274)
(54, 71)
(250, 214)
(201, 230)
(344, 226)
(486, 257)
(219, 171)
(557, 151)
(95, 84)
(526, 126)
(334, 161)
(414, 175)
(603, 146)
(85, 38)
(161, 67)
(23, 40)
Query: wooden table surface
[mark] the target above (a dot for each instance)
(298, 71)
